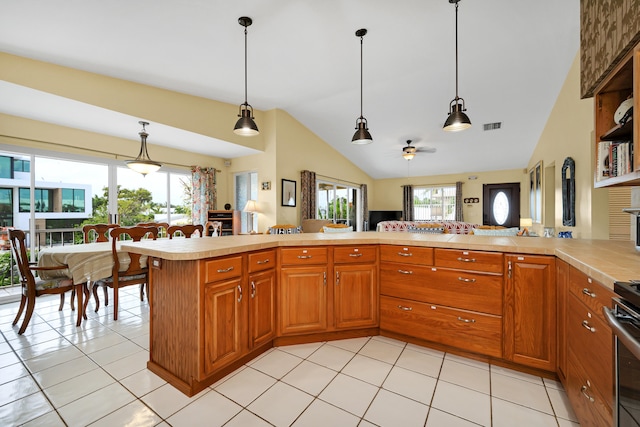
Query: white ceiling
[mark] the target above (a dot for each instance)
(304, 58)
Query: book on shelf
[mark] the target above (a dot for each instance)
(614, 158)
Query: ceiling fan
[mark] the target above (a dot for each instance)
(410, 151)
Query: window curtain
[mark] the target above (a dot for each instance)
(204, 196)
(364, 199)
(407, 202)
(459, 201)
(307, 195)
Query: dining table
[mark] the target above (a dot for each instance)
(86, 262)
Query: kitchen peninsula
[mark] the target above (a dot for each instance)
(218, 302)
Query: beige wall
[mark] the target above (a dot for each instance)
(569, 133)
(388, 194)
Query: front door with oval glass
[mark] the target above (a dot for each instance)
(501, 204)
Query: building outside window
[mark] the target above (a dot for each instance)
(43, 200)
(434, 203)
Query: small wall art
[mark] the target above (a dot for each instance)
(266, 185)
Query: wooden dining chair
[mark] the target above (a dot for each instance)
(135, 274)
(284, 229)
(213, 228)
(186, 230)
(97, 232)
(94, 233)
(163, 227)
(33, 287)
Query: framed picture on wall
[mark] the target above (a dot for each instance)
(288, 193)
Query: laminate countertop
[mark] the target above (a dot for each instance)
(604, 260)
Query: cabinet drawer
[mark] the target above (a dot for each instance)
(353, 254)
(491, 262)
(303, 256)
(591, 293)
(587, 401)
(262, 260)
(406, 254)
(453, 288)
(467, 330)
(220, 269)
(591, 341)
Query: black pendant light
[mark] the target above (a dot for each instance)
(457, 119)
(143, 164)
(245, 126)
(362, 135)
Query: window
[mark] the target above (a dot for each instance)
(72, 200)
(5, 167)
(21, 165)
(43, 200)
(246, 189)
(338, 202)
(6, 207)
(434, 203)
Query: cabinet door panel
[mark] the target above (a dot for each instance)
(530, 311)
(356, 296)
(262, 307)
(302, 303)
(223, 324)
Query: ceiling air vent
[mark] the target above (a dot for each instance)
(492, 126)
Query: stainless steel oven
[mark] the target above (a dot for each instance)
(624, 320)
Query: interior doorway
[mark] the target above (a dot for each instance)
(501, 204)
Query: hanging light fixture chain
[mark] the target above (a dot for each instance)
(457, 50)
(361, 75)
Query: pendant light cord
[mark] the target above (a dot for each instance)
(361, 73)
(245, 66)
(457, 51)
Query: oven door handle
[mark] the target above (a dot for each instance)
(621, 333)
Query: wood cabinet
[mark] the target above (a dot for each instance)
(456, 301)
(224, 328)
(355, 301)
(262, 297)
(530, 311)
(562, 286)
(302, 290)
(624, 140)
(230, 221)
(589, 346)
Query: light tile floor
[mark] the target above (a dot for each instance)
(57, 374)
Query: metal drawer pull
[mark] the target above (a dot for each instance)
(240, 291)
(588, 327)
(466, 320)
(304, 256)
(263, 262)
(405, 254)
(225, 270)
(401, 307)
(405, 271)
(253, 289)
(587, 292)
(583, 390)
(355, 255)
(462, 279)
(466, 259)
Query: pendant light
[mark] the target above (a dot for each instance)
(362, 135)
(143, 164)
(457, 119)
(245, 126)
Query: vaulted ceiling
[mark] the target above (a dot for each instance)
(304, 58)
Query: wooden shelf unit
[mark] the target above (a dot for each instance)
(230, 221)
(622, 82)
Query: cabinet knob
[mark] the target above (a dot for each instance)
(587, 326)
(405, 271)
(356, 255)
(265, 261)
(464, 279)
(583, 390)
(405, 254)
(225, 270)
(588, 292)
(239, 293)
(402, 307)
(466, 259)
(462, 319)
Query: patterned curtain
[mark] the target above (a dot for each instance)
(459, 201)
(364, 198)
(307, 195)
(204, 196)
(407, 202)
